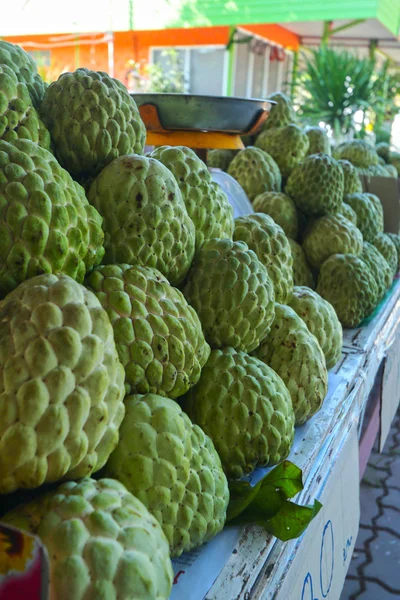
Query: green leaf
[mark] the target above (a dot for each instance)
(292, 520)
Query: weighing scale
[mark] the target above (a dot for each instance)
(203, 123)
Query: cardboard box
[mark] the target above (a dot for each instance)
(388, 191)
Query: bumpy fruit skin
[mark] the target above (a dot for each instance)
(92, 120)
(352, 181)
(373, 171)
(101, 542)
(46, 222)
(379, 268)
(18, 118)
(24, 68)
(321, 320)
(392, 171)
(62, 382)
(349, 213)
(368, 218)
(383, 150)
(269, 242)
(332, 234)
(319, 141)
(282, 113)
(346, 282)
(316, 185)
(256, 171)
(302, 275)
(245, 408)
(232, 293)
(281, 208)
(358, 152)
(287, 145)
(220, 159)
(206, 203)
(394, 159)
(173, 468)
(296, 356)
(158, 335)
(387, 248)
(145, 218)
(395, 237)
(379, 209)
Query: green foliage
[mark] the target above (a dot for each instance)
(171, 78)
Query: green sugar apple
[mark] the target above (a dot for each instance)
(62, 382)
(368, 217)
(269, 242)
(379, 209)
(383, 150)
(282, 112)
(349, 213)
(46, 223)
(158, 335)
(296, 356)
(316, 185)
(387, 248)
(321, 320)
(332, 234)
(92, 120)
(352, 181)
(287, 145)
(18, 118)
(374, 171)
(347, 283)
(319, 141)
(379, 268)
(245, 408)
(392, 171)
(24, 67)
(206, 203)
(358, 152)
(381, 160)
(145, 217)
(220, 159)
(256, 171)
(173, 468)
(301, 271)
(232, 293)
(395, 237)
(281, 208)
(102, 542)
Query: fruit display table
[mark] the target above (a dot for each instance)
(327, 450)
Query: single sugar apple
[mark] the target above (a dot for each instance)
(352, 181)
(316, 185)
(321, 320)
(232, 293)
(387, 248)
(379, 209)
(173, 468)
(158, 335)
(245, 408)
(145, 218)
(395, 237)
(301, 270)
(295, 354)
(358, 152)
(220, 159)
(18, 118)
(319, 141)
(92, 120)
(392, 171)
(373, 171)
(269, 242)
(368, 218)
(383, 150)
(347, 283)
(282, 112)
(206, 203)
(281, 208)
(349, 213)
(101, 541)
(287, 145)
(62, 382)
(332, 234)
(379, 268)
(24, 67)
(46, 222)
(256, 171)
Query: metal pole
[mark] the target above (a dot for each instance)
(231, 63)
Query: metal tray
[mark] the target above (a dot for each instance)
(205, 113)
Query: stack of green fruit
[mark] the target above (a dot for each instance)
(146, 337)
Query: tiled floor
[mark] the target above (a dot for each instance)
(374, 572)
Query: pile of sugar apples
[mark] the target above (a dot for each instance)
(152, 348)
